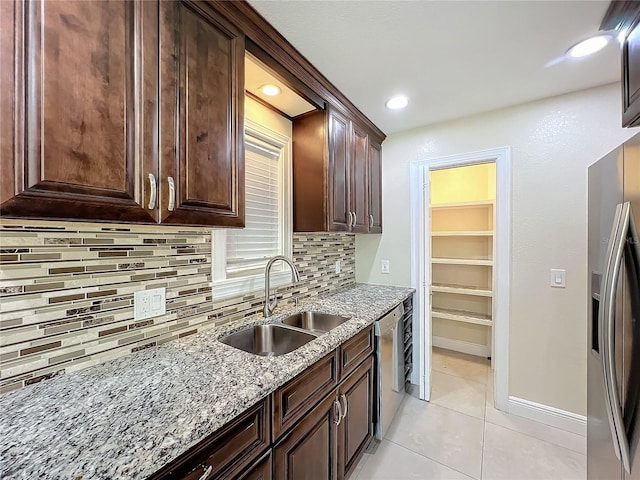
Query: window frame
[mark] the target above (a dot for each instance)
(224, 287)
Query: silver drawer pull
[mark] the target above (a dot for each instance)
(152, 191)
(343, 397)
(355, 219)
(172, 194)
(350, 219)
(370, 220)
(206, 473)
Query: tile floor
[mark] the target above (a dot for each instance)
(460, 435)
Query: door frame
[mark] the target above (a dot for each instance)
(421, 251)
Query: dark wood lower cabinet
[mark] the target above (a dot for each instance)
(294, 399)
(309, 450)
(356, 428)
(322, 423)
(355, 350)
(228, 451)
(261, 470)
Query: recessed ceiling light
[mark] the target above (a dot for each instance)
(397, 102)
(270, 90)
(589, 46)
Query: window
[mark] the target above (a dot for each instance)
(240, 255)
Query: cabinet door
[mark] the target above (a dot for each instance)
(631, 76)
(79, 83)
(202, 116)
(356, 429)
(375, 187)
(359, 179)
(261, 470)
(339, 195)
(309, 450)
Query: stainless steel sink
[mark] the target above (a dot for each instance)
(267, 340)
(315, 321)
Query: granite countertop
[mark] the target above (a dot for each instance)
(128, 417)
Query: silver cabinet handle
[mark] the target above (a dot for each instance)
(336, 405)
(206, 473)
(172, 194)
(355, 219)
(152, 191)
(350, 219)
(370, 220)
(343, 397)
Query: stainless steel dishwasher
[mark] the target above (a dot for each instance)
(389, 335)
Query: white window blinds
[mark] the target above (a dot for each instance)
(249, 249)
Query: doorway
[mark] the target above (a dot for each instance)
(461, 221)
(460, 260)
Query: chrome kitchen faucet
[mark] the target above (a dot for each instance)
(268, 306)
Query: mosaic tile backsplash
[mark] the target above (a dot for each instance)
(66, 291)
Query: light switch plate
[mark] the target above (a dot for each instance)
(384, 266)
(558, 278)
(338, 267)
(149, 303)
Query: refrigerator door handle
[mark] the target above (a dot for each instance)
(615, 252)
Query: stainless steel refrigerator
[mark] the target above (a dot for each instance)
(613, 386)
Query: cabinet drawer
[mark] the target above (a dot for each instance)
(355, 350)
(227, 451)
(294, 399)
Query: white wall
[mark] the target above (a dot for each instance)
(264, 116)
(552, 142)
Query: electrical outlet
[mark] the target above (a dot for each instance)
(384, 266)
(149, 303)
(338, 267)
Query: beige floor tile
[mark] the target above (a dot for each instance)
(460, 364)
(562, 438)
(393, 462)
(490, 386)
(441, 434)
(459, 394)
(511, 455)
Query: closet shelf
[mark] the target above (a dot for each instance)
(462, 316)
(476, 204)
(462, 261)
(463, 233)
(462, 290)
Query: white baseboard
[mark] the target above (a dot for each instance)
(551, 416)
(460, 346)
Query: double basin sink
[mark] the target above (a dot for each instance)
(277, 339)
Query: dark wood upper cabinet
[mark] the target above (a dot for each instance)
(624, 16)
(122, 111)
(631, 76)
(332, 174)
(201, 116)
(375, 187)
(359, 179)
(75, 147)
(339, 173)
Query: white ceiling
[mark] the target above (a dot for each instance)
(451, 58)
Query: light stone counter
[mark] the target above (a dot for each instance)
(128, 417)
